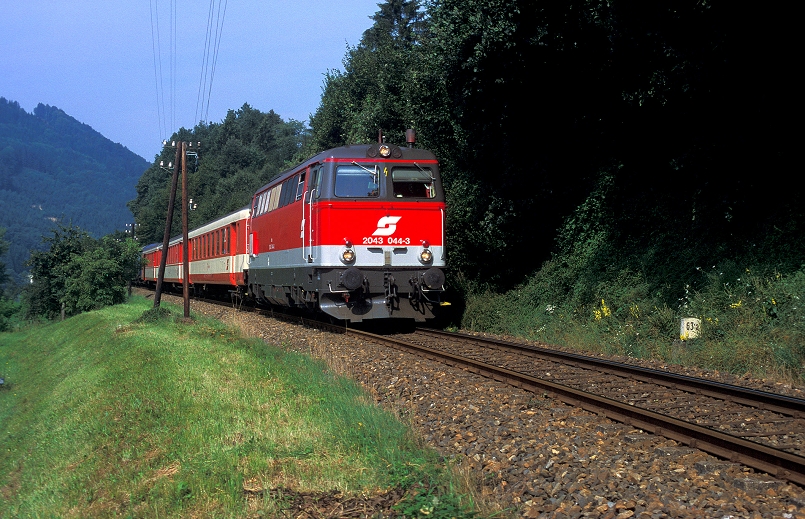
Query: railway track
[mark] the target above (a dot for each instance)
(762, 430)
(535, 454)
(759, 429)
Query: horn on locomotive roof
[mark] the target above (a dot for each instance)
(410, 137)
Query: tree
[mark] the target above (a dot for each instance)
(3, 251)
(7, 307)
(99, 276)
(377, 90)
(80, 273)
(50, 270)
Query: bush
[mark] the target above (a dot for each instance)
(753, 320)
(79, 273)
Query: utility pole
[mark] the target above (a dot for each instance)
(185, 245)
(166, 239)
(181, 158)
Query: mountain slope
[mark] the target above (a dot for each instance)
(55, 169)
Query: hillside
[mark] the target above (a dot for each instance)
(55, 169)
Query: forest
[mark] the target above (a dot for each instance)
(608, 163)
(55, 170)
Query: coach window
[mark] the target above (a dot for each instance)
(356, 181)
(413, 183)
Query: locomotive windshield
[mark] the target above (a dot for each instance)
(355, 181)
(413, 182)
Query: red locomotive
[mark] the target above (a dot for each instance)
(356, 232)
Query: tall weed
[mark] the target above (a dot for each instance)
(753, 319)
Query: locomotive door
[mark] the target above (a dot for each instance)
(308, 222)
(250, 251)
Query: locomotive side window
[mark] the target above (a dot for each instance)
(315, 182)
(275, 197)
(413, 183)
(300, 187)
(287, 188)
(356, 182)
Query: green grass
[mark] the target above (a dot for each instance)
(107, 414)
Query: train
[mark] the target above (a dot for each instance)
(355, 232)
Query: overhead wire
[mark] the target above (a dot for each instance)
(202, 83)
(212, 44)
(219, 30)
(174, 58)
(166, 111)
(157, 51)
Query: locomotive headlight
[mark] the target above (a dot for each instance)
(348, 256)
(384, 150)
(426, 256)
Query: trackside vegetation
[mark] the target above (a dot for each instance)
(752, 319)
(130, 412)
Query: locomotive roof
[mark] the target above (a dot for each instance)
(358, 153)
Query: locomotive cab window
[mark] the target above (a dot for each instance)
(300, 186)
(413, 183)
(356, 181)
(315, 183)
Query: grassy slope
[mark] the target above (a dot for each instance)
(105, 415)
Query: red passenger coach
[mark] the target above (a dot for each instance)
(218, 258)
(357, 232)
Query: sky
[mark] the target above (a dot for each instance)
(96, 60)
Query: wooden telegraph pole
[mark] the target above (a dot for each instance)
(166, 239)
(181, 151)
(185, 245)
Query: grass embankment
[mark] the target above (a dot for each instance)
(104, 414)
(750, 323)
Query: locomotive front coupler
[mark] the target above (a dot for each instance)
(390, 288)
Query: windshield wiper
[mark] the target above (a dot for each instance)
(371, 172)
(426, 171)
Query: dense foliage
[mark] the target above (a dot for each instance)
(54, 169)
(615, 136)
(7, 306)
(236, 157)
(78, 273)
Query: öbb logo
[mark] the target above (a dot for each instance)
(386, 226)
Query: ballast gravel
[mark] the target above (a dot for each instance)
(532, 456)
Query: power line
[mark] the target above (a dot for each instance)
(157, 51)
(219, 30)
(212, 44)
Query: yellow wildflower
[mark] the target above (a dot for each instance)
(737, 305)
